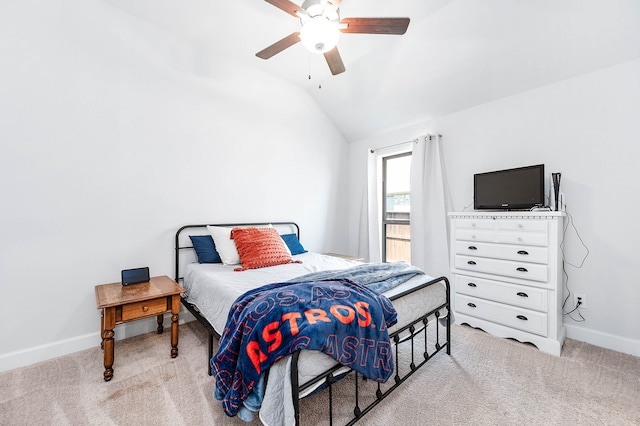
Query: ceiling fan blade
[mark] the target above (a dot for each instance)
(375, 25)
(334, 61)
(279, 46)
(289, 7)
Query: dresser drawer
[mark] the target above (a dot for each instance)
(145, 308)
(522, 237)
(503, 251)
(473, 224)
(513, 294)
(465, 234)
(511, 316)
(522, 270)
(522, 225)
(523, 231)
(507, 237)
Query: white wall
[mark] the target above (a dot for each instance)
(112, 135)
(588, 129)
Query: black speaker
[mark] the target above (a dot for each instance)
(556, 188)
(135, 276)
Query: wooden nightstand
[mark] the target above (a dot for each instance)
(121, 304)
(344, 256)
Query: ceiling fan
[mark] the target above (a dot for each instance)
(321, 28)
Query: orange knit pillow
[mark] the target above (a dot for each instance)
(260, 247)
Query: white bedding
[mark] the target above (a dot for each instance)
(214, 287)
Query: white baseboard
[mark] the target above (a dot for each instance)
(39, 353)
(604, 340)
(24, 357)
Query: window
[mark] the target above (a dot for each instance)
(396, 208)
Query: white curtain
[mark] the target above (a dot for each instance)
(430, 204)
(371, 248)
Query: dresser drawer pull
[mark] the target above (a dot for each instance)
(472, 305)
(521, 294)
(472, 284)
(472, 248)
(145, 309)
(522, 317)
(471, 262)
(521, 269)
(523, 252)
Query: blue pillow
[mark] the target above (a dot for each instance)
(292, 242)
(205, 249)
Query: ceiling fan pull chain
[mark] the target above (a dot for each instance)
(309, 65)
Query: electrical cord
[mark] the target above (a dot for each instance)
(564, 270)
(577, 308)
(570, 222)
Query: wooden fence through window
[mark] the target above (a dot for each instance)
(398, 243)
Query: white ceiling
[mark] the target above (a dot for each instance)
(456, 53)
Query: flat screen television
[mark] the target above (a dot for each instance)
(511, 189)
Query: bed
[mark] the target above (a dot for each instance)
(421, 302)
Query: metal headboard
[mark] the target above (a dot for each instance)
(183, 243)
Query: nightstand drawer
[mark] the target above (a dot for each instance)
(145, 308)
(513, 294)
(520, 318)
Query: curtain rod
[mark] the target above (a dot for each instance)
(416, 140)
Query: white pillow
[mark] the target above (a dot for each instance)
(225, 246)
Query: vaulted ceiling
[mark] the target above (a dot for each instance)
(455, 54)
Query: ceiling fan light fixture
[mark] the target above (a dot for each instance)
(319, 35)
(321, 27)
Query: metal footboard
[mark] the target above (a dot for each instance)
(400, 336)
(419, 357)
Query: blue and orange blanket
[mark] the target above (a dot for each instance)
(339, 295)
(339, 317)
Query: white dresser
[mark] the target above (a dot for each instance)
(507, 275)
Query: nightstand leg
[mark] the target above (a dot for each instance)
(160, 326)
(109, 323)
(175, 310)
(102, 329)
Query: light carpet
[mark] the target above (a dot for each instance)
(485, 381)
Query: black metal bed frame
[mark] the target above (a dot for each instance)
(329, 377)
